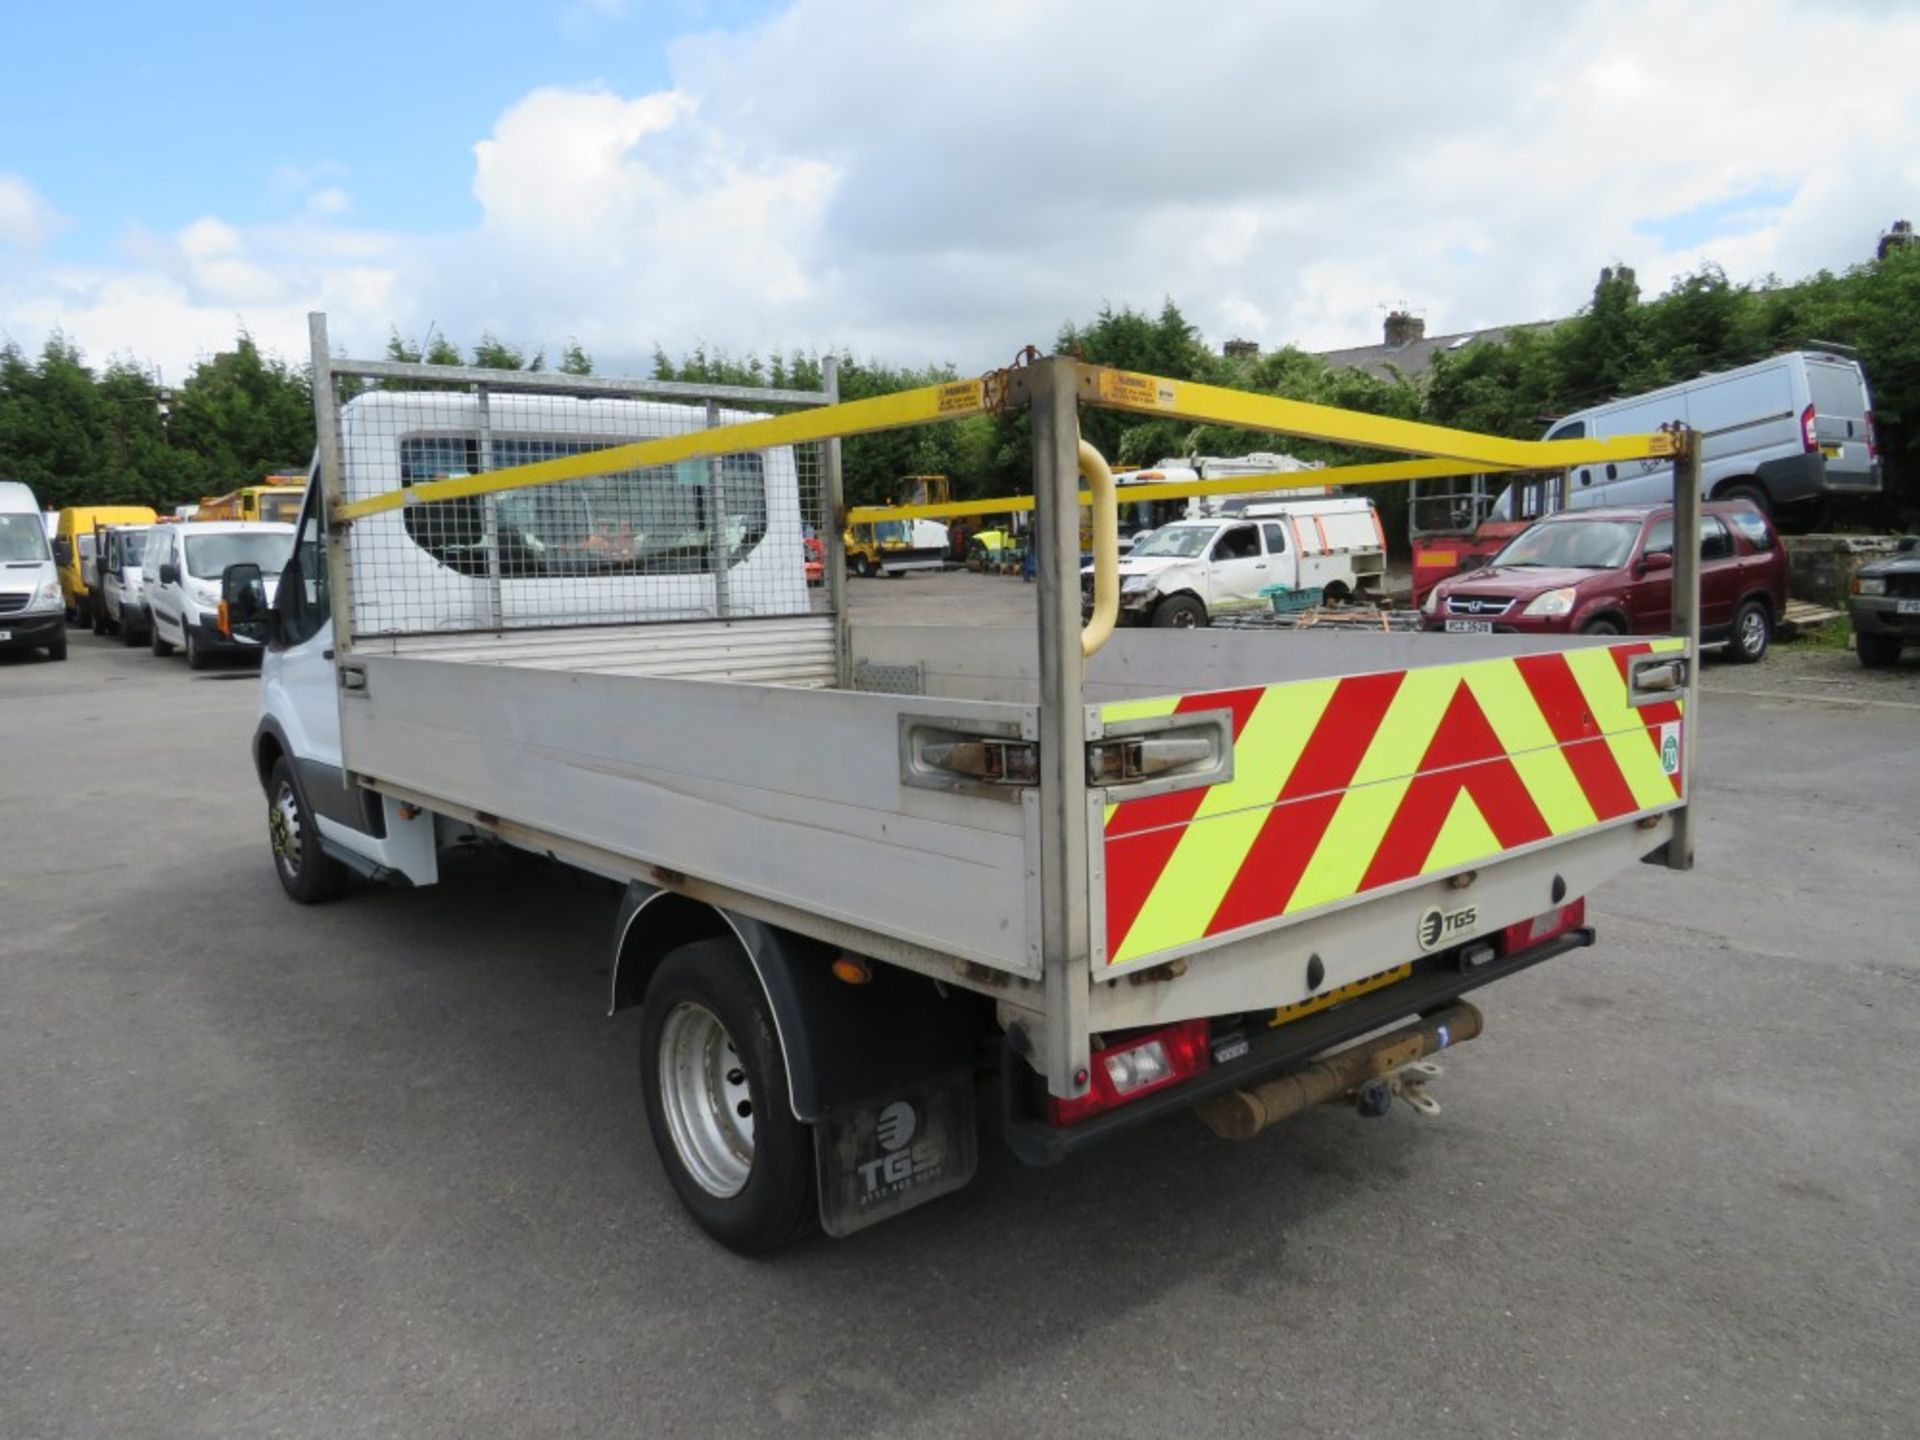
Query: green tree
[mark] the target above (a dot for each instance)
(244, 415)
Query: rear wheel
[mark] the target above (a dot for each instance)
(307, 873)
(97, 617)
(715, 1087)
(1761, 501)
(130, 634)
(1179, 612)
(1752, 633)
(1605, 625)
(1877, 651)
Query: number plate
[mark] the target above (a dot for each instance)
(1832, 452)
(6, 634)
(1469, 627)
(1900, 607)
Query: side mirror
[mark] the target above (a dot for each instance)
(62, 551)
(243, 602)
(169, 574)
(1655, 561)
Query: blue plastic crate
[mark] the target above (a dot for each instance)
(1286, 601)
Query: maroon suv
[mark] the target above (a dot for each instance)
(1610, 572)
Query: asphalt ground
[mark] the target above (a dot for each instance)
(380, 1168)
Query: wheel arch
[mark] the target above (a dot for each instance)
(840, 1043)
(269, 746)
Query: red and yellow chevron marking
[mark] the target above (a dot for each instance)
(1348, 785)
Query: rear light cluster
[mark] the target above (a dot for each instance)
(1137, 1066)
(1809, 431)
(1556, 922)
(1873, 439)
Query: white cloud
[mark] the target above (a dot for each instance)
(27, 221)
(950, 180)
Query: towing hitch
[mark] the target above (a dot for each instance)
(1373, 1072)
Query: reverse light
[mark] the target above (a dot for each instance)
(1136, 1067)
(1554, 602)
(1809, 434)
(1550, 925)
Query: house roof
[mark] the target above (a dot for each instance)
(1415, 357)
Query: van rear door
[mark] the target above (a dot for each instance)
(1838, 394)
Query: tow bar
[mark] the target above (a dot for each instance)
(1372, 1072)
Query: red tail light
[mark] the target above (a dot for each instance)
(1808, 434)
(1542, 928)
(1138, 1066)
(1873, 439)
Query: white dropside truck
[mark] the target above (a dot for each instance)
(878, 871)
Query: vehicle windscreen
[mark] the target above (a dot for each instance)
(282, 508)
(1573, 545)
(209, 555)
(23, 539)
(1179, 542)
(892, 532)
(133, 544)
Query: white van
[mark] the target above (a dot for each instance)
(1786, 433)
(180, 574)
(33, 614)
(121, 609)
(1186, 573)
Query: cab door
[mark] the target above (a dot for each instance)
(1237, 569)
(1282, 562)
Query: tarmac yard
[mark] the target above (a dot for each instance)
(381, 1169)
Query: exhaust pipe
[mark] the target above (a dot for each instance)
(1242, 1114)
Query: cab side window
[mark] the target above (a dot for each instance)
(1241, 542)
(302, 597)
(1715, 542)
(1276, 534)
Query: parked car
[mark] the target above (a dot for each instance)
(33, 611)
(1787, 433)
(1186, 573)
(1609, 572)
(180, 582)
(1885, 605)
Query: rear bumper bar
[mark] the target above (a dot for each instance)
(1288, 1047)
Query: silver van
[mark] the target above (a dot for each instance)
(1787, 433)
(33, 613)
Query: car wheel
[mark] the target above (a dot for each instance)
(307, 873)
(160, 647)
(715, 1087)
(97, 618)
(130, 633)
(82, 615)
(863, 567)
(58, 649)
(1752, 633)
(196, 657)
(1605, 625)
(1179, 612)
(1877, 651)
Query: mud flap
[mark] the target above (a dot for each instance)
(890, 1154)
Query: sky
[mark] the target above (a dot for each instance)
(919, 182)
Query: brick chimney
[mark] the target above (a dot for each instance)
(1241, 349)
(1404, 327)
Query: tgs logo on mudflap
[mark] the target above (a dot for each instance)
(902, 1163)
(1440, 928)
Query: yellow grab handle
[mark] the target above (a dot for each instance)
(1106, 551)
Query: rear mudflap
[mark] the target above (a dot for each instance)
(890, 1154)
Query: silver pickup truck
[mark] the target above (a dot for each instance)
(878, 871)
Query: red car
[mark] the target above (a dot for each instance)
(1609, 572)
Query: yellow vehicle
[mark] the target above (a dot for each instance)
(893, 547)
(277, 498)
(73, 543)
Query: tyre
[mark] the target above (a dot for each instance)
(1752, 633)
(97, 617)
(160, 647)
(715, 1086)
(1877, 651)
(58, 649)
(82, 614)
(863, 567)
(1179, 612)
(307, 873)
(130, 633)
(1605, 625)
(196, 657)
(1761, 500)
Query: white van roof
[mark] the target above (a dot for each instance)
(1785, 360)
(15, 498)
